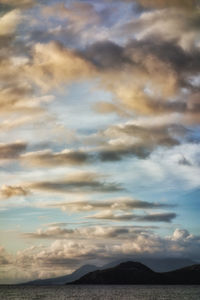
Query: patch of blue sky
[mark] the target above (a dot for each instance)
(31, 218)
(75, 107)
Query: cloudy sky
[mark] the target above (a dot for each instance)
(99, 133)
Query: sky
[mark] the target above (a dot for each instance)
(99, 133)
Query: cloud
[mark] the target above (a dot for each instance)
(108, 107)
(136, 74)
(180, 27)
(118, 204)
(9, 22)
(8, 191)
(153, 217)
(180, 234)
(184, 4)
(107, 55)
(80, 182)
(12, 150)
(53, 64)
(47, 158)
(183, 161)
(78, 14)
(132, 139)
(18, 3)
(5, 258)
(61, 255)
(84, 233)
(67, 254)
(78, 23)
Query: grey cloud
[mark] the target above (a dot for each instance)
(106, 55)
(123, 204)
(12, 150)
(161, 22)
(140, 141)
(5, 258)
(155, 61)
(184, 161)
(154, 217)
(137, 53)
(92, 232)
(183, 4)
(168, 52)
(18, 3)
(162, 217)
(85, 182)
(46, 158)
(116, 154)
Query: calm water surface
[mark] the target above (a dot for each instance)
(100, 292)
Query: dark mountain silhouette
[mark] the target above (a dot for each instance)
(157, 264)
(136, 273)
(187, 275)
(64, 279)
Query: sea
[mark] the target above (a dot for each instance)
(104, 292)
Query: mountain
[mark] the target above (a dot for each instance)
(64, 279)
(125, 273)
(167, 264)
(137, 273)
(156, 264)
(187, 275)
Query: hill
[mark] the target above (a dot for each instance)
(136, 273)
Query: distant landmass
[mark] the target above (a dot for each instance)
(64, 279)
(137, 273)
(155, 264)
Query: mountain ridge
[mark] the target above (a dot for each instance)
(137, 273)
(157, 264)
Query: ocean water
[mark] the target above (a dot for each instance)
(93, 292)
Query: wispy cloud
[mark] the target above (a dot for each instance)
(46, 158)
(77, 183)
(118, 204)
(12, 150)
(7, 191)
(153, 217)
